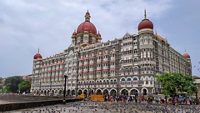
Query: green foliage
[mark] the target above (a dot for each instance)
(5, 89)
(175, 83)
(24, 86)
(11, 84)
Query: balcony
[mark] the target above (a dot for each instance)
(105, 67)
(99, 61)
(91, 62)
(112, 58)
(105, 59)
(136, 82)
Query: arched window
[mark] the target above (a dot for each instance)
(123, 79)
(135, 78)
(128, 79)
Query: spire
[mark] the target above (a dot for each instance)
(38, 50)
(74, 33)
(99, 34)
(38, 55)
(145, 14)
(87, 16)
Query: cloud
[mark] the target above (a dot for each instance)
(26, 25)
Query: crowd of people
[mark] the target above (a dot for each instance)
(176, 100)
(115, 107)
(122, 104)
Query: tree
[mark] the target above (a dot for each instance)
(24, 86)
(175, 83)
(11, 83)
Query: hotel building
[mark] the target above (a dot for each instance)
(125, 66)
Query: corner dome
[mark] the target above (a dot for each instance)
(37, 55)
(186, 55)
(87, 25)
(145, 23)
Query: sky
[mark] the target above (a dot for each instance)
(26, 25)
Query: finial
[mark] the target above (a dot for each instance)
(99, 34)
(87, 16)
(38, 50)
(145, 14)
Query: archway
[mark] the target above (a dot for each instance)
(56, 92)
(60, 92)
(45, 93)
(113, 92)
(42, 92)
(48, 92)
(68, 92)
(99, 92)
(105, 92)
(153, 91)
(91, 92)
(79, 92)
(144, 91)
(134, 92)
(85, 92)
(73, 92)
(52, 93)
(124, 92)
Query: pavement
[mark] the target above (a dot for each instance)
(14, 98)
(4, 102)
(96, 107)
(108, 107)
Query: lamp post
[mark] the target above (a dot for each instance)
(196, 94)
(64, 93)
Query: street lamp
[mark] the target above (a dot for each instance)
(196, 94)
(65, 76)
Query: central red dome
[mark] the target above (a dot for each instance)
(87, 26)
(145, 23)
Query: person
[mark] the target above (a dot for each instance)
(136, 99)
(130, 99)
(188, 101)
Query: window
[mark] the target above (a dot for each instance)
(129, 79)
(151, 82)
(135, 79)
(123, 79)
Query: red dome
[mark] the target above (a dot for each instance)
(37, 56)
(87, 26)
(186, 55)
(145, 23)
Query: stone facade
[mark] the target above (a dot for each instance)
(125, 66)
